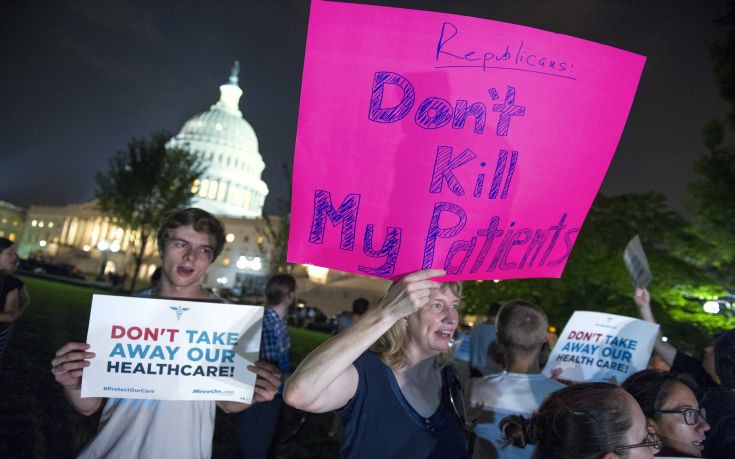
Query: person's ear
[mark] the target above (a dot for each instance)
(547, 337)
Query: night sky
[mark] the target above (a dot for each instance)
(81, 78)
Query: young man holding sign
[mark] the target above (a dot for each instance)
(189, 241)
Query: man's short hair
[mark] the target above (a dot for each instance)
(521, 327)
(360, 306)
(202, 222)
(278, 288)
(725, 359)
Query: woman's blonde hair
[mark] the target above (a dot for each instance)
(391, 346)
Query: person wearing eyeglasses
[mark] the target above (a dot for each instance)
(669, 401)
(389, 375)
(584, 421)
(715, 376)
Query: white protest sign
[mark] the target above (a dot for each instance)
(596, 346)
(635, 260)
(171, 349)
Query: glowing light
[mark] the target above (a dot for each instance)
(712, 307)
(119, 232)
(664, 338)
(256, 264)
(115, 247)
(245, 262)
(42, 243)
(552, 329)
(50, 224)
(222, 280)
(230, 237)
(40, 224)
(34, 223)
(103, 245)
(496, 280)
(86, 248)
(317, 274)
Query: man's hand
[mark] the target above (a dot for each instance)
(267, 382)
(69, 362)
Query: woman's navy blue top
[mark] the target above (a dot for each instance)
(380, 423)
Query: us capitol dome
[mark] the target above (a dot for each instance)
(228, 146)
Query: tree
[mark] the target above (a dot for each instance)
(713, 200)
(145, 183)
(277, 230)
(712, 193)
(595, 277)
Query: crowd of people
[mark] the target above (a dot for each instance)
(389, 376)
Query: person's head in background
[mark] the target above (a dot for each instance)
(8, 258)
(280, 290)
(670, 403)
(522, 331)
(584, 421)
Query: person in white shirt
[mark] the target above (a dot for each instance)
(522, 330)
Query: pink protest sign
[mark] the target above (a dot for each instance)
(436, 140)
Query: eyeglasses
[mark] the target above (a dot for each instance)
(651, 441)
(691, 416)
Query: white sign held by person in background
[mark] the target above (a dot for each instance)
(596, 346)
(635, 260)
(171, 349)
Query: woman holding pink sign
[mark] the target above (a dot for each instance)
(389, 375)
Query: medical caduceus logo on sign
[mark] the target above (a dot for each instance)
(179, 311)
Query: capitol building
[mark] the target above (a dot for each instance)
(231, 188)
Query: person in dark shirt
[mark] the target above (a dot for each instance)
(14, 298)
(257, 426)
(389, 374)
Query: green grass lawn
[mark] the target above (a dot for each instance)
(36, 419)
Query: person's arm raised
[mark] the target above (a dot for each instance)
(67, 368)
(326, 379)
(643, 300)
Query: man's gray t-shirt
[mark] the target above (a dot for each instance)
(161, 429)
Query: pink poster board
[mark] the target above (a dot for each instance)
(435, 140)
